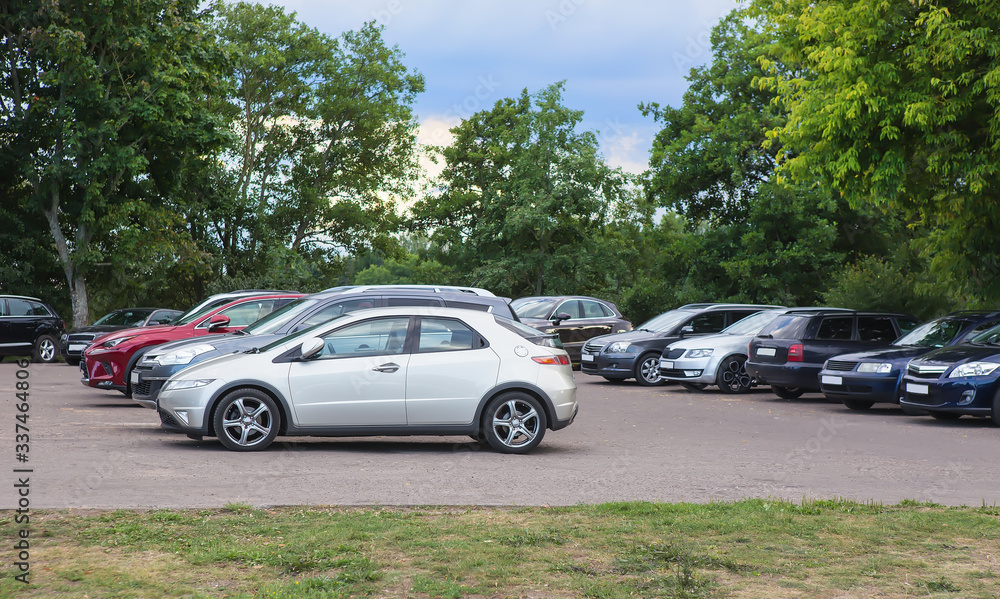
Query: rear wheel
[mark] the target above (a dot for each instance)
(46, 350)
(857, 404)
(732, 376)
(246, 420)
(694, 386)
(787, 392)
(945, 415)
(647, 370)
(514, 423)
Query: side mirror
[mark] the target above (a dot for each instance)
(218, 321)
(311, 346)
(560, 317)
(687, 330)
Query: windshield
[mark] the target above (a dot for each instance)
(534, 307)
(936, 333)
(988, 337)
(279, 318)
(127, 318)
(200, 310)
(751, 325)
(664, 322)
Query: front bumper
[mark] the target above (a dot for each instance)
(147, 381)
(101, 373)
(688, 370)
(184, 410)
(609, 365)
(851, 385)
(971, 396)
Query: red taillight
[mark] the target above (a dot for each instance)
(564, 360)
(795, 352)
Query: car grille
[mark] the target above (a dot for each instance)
(674, 354)
(166, 418)
(81, 337)
(926, 371)
(593, 347)
(142, 388)
(675, 374)
(840, 365)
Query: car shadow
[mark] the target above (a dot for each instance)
(360, 445)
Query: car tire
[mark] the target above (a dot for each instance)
(732, 376)
(858, 404)
(514, 422)
(246, 420)
(46, 349)
(647, 370)
(73, 361)
(787, 392)
(995, 412)
(694, 386)
(945, 416)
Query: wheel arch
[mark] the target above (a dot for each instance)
(208, 424)
(528, 388)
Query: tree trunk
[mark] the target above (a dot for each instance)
(75, 278)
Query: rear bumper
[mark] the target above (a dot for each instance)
(791, 374)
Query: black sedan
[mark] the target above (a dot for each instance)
(863, 379)
(959, 380)
(72, 343)
(575, 318)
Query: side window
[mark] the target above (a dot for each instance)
(412, 301)
(592, 309)
(835, 328)
(381, 336)
(3, 308)
(711, 322)
(876, 328)
(334, 310)
(979, 328)
(443, 334)
(19, 307)
(739, 315)
(571, 307)
(243, 314)
(38, 309)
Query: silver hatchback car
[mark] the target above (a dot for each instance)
(383, 371)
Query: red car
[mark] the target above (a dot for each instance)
(108, 362)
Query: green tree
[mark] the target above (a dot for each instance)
(897, 105)
(522, 197)
(94, 94)
(325, 140)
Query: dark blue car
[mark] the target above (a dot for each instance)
(860, 380)
(954, 381)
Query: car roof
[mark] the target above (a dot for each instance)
(822, 311)
(414, 287)
(706, 306)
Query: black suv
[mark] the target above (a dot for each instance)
(161, 361)
(789, 353)
(636, 354)
(29, 327)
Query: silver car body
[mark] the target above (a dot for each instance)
(436, 391)
(691, 353)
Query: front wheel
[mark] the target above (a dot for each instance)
(787, 392)
(46, 350)
(246, 420)
(514, 423)
(647, 370)
(732, 376)
(857, 404)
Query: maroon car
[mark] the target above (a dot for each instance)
(575, 318)
(108, 362)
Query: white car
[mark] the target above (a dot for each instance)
(715, 359)
(382, 371)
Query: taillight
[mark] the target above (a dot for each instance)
(554, 360)
(795, 352)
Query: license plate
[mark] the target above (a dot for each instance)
(917, 389)
(77, 346)
(666, 364)
(586, 358)
(765, 351)
(832, 380)
(135, 378)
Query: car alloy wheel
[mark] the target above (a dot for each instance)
(246, 420)
(647, 370)
(46, 349)
(514, 423)
(732, 376)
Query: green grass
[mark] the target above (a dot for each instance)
(748, 549)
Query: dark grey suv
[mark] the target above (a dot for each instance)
(29, 327)
(160, 362)
(636, 354)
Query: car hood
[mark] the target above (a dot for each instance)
(961, 353)
(713, 341)
(630, 336)
(97, 329)
(223, 344)
(884, 355)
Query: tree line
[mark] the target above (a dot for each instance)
(155, 151)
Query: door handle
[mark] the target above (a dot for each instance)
(390, 367)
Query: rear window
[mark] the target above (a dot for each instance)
(787, 326)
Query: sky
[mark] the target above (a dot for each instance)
(612, 54)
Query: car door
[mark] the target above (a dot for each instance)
(6, 339)
(450, 370)
(834, 336)
(23, 322)
(358, 379)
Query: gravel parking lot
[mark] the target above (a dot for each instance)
(91, 448)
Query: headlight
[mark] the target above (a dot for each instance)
(698, 353)
(618, 347)
(876, 367)
(973, 369)
(177, 385)
(184, 356)
(64, 338)
(117, 341)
